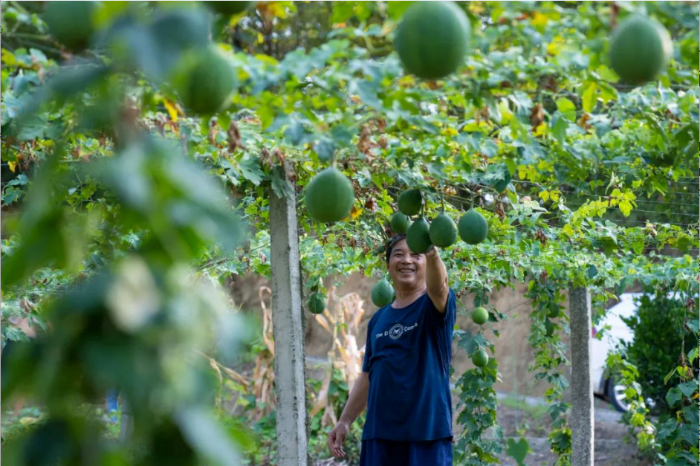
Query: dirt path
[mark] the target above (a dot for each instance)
(611, 447)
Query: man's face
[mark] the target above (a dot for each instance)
(405, 267)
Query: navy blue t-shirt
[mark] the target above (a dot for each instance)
(408, 357)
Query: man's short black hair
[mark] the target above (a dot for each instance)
(389, 247)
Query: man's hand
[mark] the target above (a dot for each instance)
(357, 401)
(336, 438)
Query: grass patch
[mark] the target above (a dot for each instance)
(537, 411)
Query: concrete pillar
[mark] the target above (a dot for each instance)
(127, 422)
(287, 317)
(582, 428)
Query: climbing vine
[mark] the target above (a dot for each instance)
(113, 188)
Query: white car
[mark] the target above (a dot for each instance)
(604, 386)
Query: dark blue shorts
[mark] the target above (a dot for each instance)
(391, 453)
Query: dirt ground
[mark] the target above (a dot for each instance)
(611, 446)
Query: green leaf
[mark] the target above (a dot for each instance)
(437, 169)
(669, 375)
(280, 186)
(395, 10)
(689, 433)
(324, 149)
(205, 435)
(607, 92)
(367, 91)
(567, 108)
(251, 171)
(33, 127)
(559, 127)
(342, 135)
(673, 396)
(592, 271)
(295, 132)
(518, 450)
(497, 176)
(342, 11)
(688, 388)
(589, 97)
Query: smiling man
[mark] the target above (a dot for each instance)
(405, 376)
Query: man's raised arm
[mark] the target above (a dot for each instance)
(436, 280)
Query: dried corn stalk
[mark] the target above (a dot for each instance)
(264, 374)
(341, 319)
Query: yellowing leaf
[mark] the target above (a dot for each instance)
(265, 58)
(12, 165)
(449, 132)
(8, 58)
(541, 130)
(539, 21)
(589, 97)
(172, 111)
(506, 114)
(475, 8)
(544, 195)
(637, 419)
(355, 212)
(555, 47)
(554, 195)
(567, 230)
(625, 207)
(454, 146)
(277, 9)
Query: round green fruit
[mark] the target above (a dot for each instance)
(316, 303)
(230, 8)
(443, 231)
(639, 49)
(418, 236)
(70, 23)
(382, 293)
(473, 227)
(433, 39)
(208, 83)
(410, 202)
(553, 311)
(329, 196)
(480, 358)
(480, 316)
(400, 223)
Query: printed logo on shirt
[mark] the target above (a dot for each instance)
(396, 331)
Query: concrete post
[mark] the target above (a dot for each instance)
(582, 428)
(292, 442)
(127, 423)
